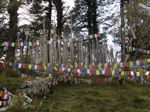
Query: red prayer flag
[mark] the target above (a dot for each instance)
(4, 63)
(47, 42)
(60, 40)
(60, 69)
(35, 43)
(38, 67)
(141, 61)
(91, 72)
(75, 70)
(124, 64)
(129, 73)
(106, 73)
(19, 44)
(23, 65)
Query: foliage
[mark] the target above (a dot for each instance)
(136, 15)
(10, 72)
(12, 84)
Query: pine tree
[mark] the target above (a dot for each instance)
(85, 21)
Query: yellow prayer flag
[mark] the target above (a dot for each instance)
(44, 64)
(113, 31)
(122, 73)
(122, 29)
(9, 98)
(10, 63)
(115, 65)
(55, 68)
(71, 66)
(137, 73)
(29, 66)
(69, 69)
(44, 67)
(30, 43)
(113, 73)
(75, 63)
(148, 60)
(99, 66)
(91, 36)
(13, 44)
(85, 66)
(131, 63)
(97, 72)
(111, 79)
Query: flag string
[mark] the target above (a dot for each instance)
(38, 42)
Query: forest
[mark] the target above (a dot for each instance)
(47, 42)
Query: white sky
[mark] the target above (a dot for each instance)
(24, 18)
(70, 2)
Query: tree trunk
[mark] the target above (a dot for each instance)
(13, 28)
(123, 55)
(49, 29)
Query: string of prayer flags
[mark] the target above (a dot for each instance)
(140, 50)
(87, 81)
(100, 66)
(37, 43)
(93, 69)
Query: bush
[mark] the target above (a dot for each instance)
(10, 72)
(10, 80)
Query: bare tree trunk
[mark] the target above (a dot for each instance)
(82, 60)
(59, 53)
(41, 49)
(122, 34)
(45, 59)
(72, 58)
(51, 53)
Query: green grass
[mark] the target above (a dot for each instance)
(106, 97)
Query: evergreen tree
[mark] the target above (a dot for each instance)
(86, 21)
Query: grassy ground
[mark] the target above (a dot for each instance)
(106, 97)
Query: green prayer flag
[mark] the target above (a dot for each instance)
(112, 65)
(125, 73)
(82, 67)
(42, 68)
(141, 73)
(144, 61)
(44, 42)
(128, 64)
(7, 63)
(27, 66)
(16, 44)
